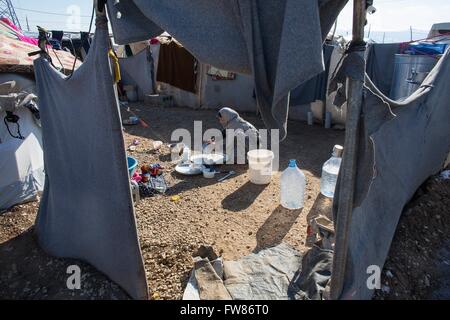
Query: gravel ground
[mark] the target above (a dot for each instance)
(235, 216)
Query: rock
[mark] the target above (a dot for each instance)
(385, 289)
(206, 251)
(426, 281)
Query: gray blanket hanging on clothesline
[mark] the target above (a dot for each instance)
(86, 210)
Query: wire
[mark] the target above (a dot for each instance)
(56, 55)
(19, 134)
(92, 20)
(50, 13)
(75, 53)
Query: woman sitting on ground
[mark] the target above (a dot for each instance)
(242, 130)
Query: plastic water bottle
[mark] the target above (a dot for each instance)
(186, 154)
(330, 171)
(293, 183)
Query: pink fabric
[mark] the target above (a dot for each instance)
(137, 177)
(32, 41)
(23, 38)
(10, 24)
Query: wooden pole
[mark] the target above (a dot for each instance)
(348, 167)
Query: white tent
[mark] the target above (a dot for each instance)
(21, 160)
(211, 94)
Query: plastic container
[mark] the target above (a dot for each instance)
(157, 145)
(186, 156)
(426, 48)
(135, 192)
(330, 171)
(131, 93)
(293, 184)
(132, 165)
(209, 173)
(260, 166)
(327, 120)
(176, 150)
(310, 118)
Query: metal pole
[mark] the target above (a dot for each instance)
(348, 168)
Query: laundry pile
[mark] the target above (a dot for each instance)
(150, 181)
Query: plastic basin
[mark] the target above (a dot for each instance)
(132, 165)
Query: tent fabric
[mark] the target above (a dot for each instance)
(279, 42)
(315, 273)
(401, 145)
(237, 93)
(177, 67)
(380, 63)
(138, 71)
(21, 169)
(315, 88)
(86, 212)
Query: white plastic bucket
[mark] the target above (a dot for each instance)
(260, 166)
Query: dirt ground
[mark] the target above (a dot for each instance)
(235, 217)
(418, 266)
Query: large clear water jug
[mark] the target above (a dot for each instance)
(293, 183)
(330, 171)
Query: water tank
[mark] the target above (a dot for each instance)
(409, 73)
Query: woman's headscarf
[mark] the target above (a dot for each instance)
(234, 121)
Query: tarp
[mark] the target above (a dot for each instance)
(21, 170)
(380, 63)
(279, 42)
(313, 277)
(315, 88)
(139, 71)
(265, 275)
(86, 211)
(401, 145)
(338, 113)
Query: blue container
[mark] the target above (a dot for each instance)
(132, 165)
(419, 48)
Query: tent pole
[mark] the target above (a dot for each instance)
(348, 168)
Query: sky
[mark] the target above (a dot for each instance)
(392, 20)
